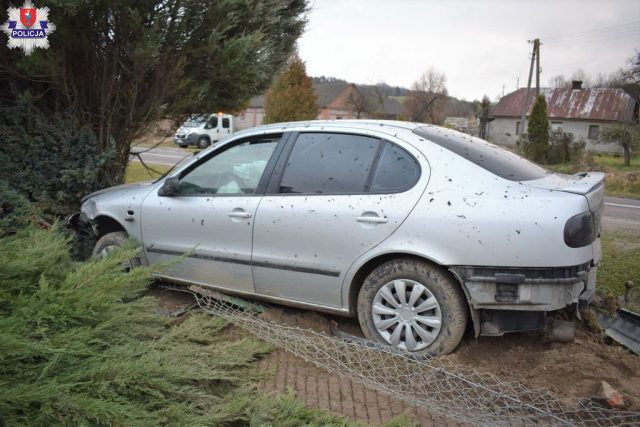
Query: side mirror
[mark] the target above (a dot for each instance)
(171, 187)
(208, 125)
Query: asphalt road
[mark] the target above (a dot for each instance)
(162, 156)
(619, 214)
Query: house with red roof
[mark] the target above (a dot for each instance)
(336, 101)
(582, 112)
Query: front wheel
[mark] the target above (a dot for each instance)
(110, 242)
(203, 142)
(414, 306)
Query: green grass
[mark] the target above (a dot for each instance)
(621, 184)
(615, 163)
(620, 263)
(136, 172)
(621, 180)
(81, 344)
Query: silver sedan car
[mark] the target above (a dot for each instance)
(418, 231)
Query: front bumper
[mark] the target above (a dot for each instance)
(528, 289)
(85, 234)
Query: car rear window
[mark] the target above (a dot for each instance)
(397, 170)
(493, 158)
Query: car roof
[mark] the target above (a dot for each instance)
(385, 125)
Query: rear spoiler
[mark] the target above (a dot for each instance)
(585, 182)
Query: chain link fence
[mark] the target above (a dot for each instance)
(435, 385)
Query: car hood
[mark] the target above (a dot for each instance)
(186, 129)
(134, 187)
(588, 184)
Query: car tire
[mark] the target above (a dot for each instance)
(111, 241)
(437, 295)
(203, 142)
(183, 145)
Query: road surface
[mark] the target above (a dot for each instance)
(162, 156)
(619, 214)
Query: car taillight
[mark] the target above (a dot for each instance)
(580, 230)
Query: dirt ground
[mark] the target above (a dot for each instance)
(575, 369)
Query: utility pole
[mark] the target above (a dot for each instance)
(517, 82)
(525, 107)
(536, 46)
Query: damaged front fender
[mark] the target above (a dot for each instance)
(84, 233)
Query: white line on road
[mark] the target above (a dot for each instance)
(620, 205)
(623, 221)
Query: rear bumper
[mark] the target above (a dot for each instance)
(527, 289)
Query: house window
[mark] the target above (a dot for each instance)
(594, 131)
(517, 128)
(556, 125)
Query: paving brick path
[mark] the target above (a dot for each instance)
(322, 389)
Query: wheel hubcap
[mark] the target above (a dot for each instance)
(406, 314)
(126, 265)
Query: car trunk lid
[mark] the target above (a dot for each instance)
(588, 184)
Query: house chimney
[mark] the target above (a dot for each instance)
(576, 84)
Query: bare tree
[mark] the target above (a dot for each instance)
(580, 75)
(380, 91)
(627, 135)
(360, 103)
(632, 74)
(427, 96)
(559, 81)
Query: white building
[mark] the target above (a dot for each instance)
(252, 116)
(582, 112)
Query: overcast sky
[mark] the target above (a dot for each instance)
(479, 45)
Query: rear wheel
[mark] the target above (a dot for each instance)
(203, 142)
(414, 306)
(110, 242)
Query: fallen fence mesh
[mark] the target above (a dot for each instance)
(435, 385)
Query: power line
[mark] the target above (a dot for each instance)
(595, 38)
(598, 30)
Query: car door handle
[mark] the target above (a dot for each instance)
(372, 218)
(240, 213)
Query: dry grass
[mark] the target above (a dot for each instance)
(136, 172)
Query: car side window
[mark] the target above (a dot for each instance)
(212, 123)
(329, 163)
(236, 170)
(397, 170)
(225, 122)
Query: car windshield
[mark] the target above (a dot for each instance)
(174, 167)
(491, 157)
(194, 122)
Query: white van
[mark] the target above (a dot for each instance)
(202, 131)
